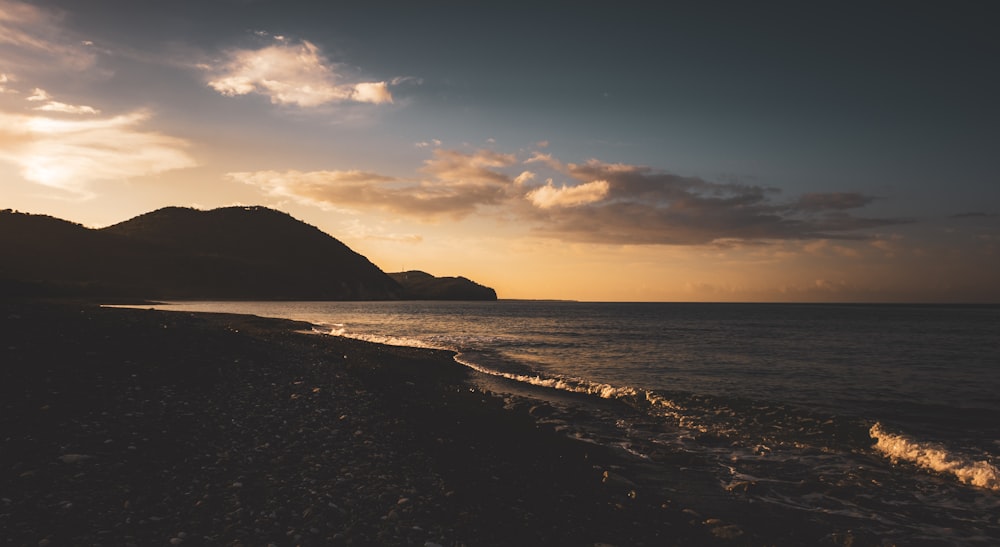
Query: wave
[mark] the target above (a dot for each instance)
(574, 385)
(896, 447)
(340, 331)
(935, 457)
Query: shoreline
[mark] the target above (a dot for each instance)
(136, 427)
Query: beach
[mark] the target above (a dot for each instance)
(141, 427)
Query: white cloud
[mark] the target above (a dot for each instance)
(291, 74)
(372, 92)
(69, 154)
(549, 196)
(55, 106)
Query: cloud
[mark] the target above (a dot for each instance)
(524, 178)
(32, 38)
(832, 201)
(363, 190)
(69, 154)
(479, 167)
(823, 247)
(545, 159)
(291, 74)
(600, 203)
(645, 206)
(4, 80)
(549, 196)
(458, 184)
(40, 95)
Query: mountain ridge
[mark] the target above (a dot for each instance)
(183, 253)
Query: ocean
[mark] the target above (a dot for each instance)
(884, 419)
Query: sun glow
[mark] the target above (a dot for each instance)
(69, 153)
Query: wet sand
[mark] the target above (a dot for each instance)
(140, 427)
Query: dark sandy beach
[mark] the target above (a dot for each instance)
(140, 427)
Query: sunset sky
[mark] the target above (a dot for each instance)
(702, 151)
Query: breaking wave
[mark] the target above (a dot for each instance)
(896, 447)
(935, 457)
(339, 330)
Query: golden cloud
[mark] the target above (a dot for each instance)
(549, 196)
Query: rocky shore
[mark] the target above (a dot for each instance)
(140, 427)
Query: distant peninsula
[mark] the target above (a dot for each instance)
(418, 285)
(230, 253)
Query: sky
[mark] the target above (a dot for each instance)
(625, 151)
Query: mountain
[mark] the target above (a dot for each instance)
(418, 285)
(43, 255)
(244, 252)
(229, 253)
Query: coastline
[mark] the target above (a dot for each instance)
(137, 427)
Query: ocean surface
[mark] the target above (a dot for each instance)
(884, 418)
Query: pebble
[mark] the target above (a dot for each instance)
(729, 531)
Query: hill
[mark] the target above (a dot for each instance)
(244, 252)
(418, 285)
(229, 253)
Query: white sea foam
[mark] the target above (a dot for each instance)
(935, 457)
(575, 385)
(662, 406)
(384, 339)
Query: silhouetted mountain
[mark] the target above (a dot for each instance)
(43, 255)
(236, 252)
(255, 252)
(419, 285)
(250, 253)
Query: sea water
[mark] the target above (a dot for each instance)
(884, 417)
